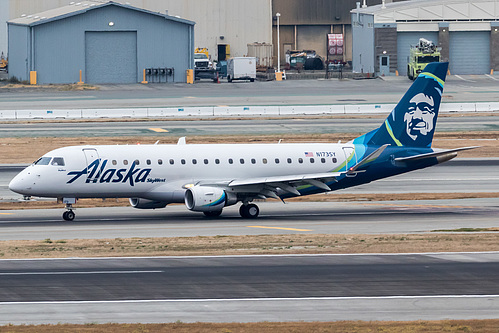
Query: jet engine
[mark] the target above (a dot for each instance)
(208, 199)
(141, 203)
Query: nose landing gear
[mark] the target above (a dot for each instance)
(69, 215)
(249, 211)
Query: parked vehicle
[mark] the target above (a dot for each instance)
(241, 68)
(420, 56)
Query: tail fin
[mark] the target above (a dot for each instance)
(412, 122)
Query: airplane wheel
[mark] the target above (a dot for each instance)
(68, 215)
(215, 213)
(250, 211)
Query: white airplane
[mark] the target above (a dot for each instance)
(209, 177)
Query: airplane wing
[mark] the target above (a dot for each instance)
(267, 186)
(436, 153)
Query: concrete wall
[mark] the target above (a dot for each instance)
(494, 46)
(240, 22)
(363, 43)
(385, 39)
(20, 52)
(59, 46)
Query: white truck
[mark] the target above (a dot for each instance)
(241, 68)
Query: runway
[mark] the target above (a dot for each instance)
(250, 288)
(239, 127)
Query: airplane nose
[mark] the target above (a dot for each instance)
(19, 184)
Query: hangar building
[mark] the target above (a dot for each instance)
(109, 42)
(466, 31)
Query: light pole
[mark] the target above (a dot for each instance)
(278, 76)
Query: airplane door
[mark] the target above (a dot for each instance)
(350, 160)
(91, 155)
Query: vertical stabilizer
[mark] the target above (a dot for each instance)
(412, 122)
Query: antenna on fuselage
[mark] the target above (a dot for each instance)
(181, 141)
(156, 142)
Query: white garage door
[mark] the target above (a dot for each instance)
(469, 52)
(111, 57)
(404, 42)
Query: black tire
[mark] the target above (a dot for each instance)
(409, 73)
(69, 215)
(252, 80)
(229, 79)
(250, 211)
(214, 213)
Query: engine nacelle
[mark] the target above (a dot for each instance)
(141, 203)
(208, 199)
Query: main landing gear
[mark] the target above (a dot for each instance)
(69, 215)
(249, 211)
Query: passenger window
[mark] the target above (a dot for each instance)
(241, 161)
(43, 161)
(125, 162)
(335, 160)
(264, 161)
(217, 161)
(312, 160)
(300, 160)
(148, 162)
(59, 161)
(276, 161)
(182, 161)
(289, 160)
(172, 161)
(114, 162)
(136, 162)
(231, 161)
(253, 161)
(194, 161)
(323, 160)
(205, 161)
(160, 162)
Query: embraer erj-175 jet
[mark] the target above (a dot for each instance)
(209, 177)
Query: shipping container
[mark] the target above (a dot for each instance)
(262, 52)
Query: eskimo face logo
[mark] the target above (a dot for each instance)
(419, 120)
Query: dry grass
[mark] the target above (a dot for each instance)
(26, 149)
(250, 245)
(483, 326)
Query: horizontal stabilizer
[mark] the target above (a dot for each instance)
(436, 153)
(368, 159)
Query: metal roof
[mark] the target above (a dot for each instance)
(434, 10)
(80, 7)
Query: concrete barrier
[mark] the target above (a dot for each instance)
(245, 111)
(311, 109)
(8, 114)
(369, 108)
(219, 111)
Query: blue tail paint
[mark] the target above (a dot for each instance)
(412, 122)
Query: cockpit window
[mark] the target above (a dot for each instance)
(59, 161)
(43, 161)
